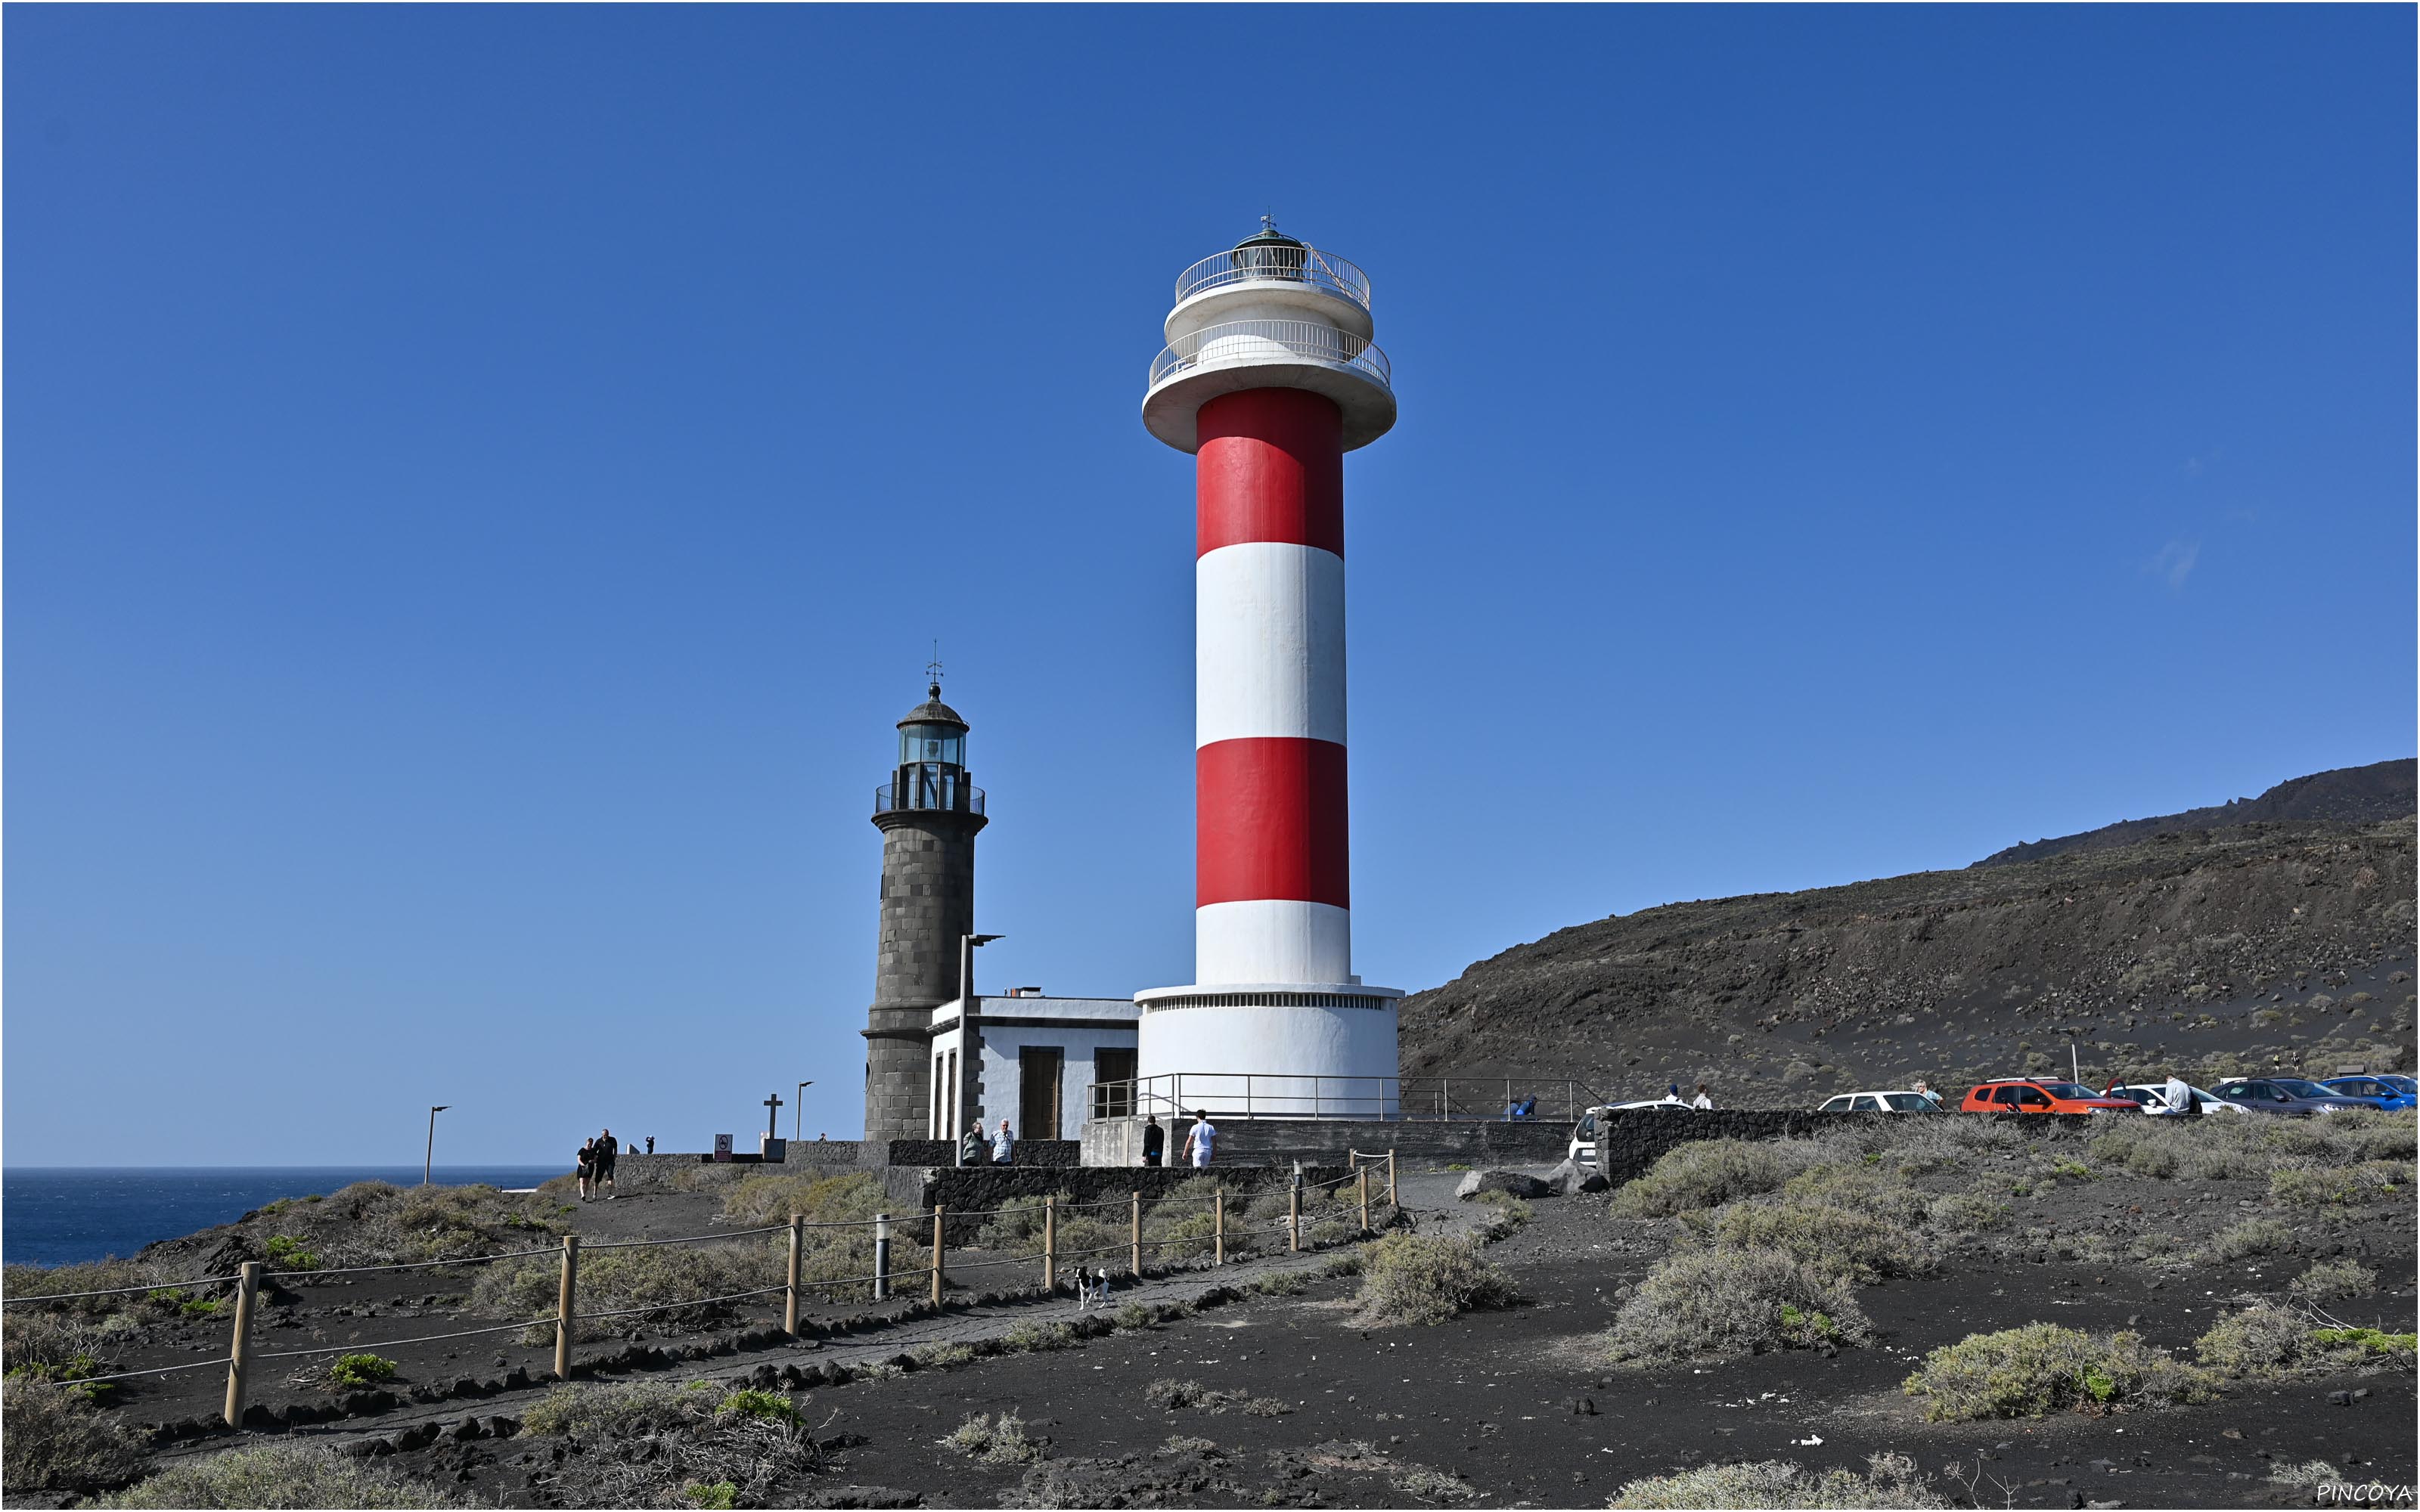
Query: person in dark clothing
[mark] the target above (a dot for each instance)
(651, 1144)
(1155, 1140)
(972, 1150)
(607, 1148)
(587, 1165)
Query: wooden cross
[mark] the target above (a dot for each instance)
(772, 1116)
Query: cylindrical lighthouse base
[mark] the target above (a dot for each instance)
(1294, 1051)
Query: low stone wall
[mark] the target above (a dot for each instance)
(980, 1188)
(1630, 1141)
(1052, 1152)
(1118, 1142)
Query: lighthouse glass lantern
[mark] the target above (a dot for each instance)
(932, 766)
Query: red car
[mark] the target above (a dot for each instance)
(2041, 1094)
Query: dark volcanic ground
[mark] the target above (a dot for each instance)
(1519, 1408)
(2215, 952)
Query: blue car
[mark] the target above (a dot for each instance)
(2387, 1090)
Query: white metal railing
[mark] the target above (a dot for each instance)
(1280, 263)
(1383, 1098)
(1246, 342)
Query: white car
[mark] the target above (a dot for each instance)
(1900, 1101)
(2153, 1095)
(1583, 1146)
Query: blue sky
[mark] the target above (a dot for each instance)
(482, 483)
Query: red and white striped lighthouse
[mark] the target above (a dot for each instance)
(1269, 378)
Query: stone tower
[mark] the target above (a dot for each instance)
(929, 814)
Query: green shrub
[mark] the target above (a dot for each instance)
(717, 1495)
(1411, 1279)
(2254, 1236)
(1703, 1174)
(1037, 1337)
(2335, 1281)
(56, 1440)
(941, 1356)
(90, 1275)
(286, 1253)
(621, 1412)
(1713, 1304)
(770, 1405)
(990, 1440)
(2042, 1368)
(353, 1371)
(279, 1475)
(1891, 1480)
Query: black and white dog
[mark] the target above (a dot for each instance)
(1092, 1288)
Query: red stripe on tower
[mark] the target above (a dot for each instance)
(1270, 822)
(1271, 468)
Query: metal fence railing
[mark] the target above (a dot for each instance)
(1381, 1098)
(1276, 263)
(1245, 343)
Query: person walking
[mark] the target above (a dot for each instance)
(1705, 1102)
(1003, 1145)
(587, 1165)
(1202, 1140)
(607, 1148)
(1155, 1140)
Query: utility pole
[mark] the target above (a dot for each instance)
(428, 1158)
(798, 1110)
(967, 1049)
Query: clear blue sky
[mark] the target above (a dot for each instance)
(482, 483)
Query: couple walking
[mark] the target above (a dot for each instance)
(597, 1165)
(1200, 1140)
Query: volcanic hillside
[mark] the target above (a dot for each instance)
(2346, 795)
(2215, 952)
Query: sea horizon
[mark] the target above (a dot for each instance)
(68, 1214)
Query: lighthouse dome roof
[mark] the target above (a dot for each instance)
(933, 711)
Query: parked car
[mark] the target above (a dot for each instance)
(2390, 1091)
(1583, 1146)
(2289, 1095)
(2153, 1095)
(2042, 1094)
(1878, 1102)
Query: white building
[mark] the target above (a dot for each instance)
(1040, 1057)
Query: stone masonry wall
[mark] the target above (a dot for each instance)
(928, 901)
(1118, 1142)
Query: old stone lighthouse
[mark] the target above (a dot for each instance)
(929, 814)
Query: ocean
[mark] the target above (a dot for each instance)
(57, 1215)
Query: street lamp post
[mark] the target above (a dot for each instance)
(428, 1160)
(967, 1047)
(798, 1110)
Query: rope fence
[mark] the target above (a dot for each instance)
(930, 1228)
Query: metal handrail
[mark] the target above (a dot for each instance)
(954, 797)
(1277, 263)
(1381, 1098)
(1252, 339)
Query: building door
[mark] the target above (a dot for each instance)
(1113, 1072)
(1037, 1102)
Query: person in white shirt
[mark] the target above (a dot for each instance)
(1200, 1140)
(1002, 1145)
(1704, 1103)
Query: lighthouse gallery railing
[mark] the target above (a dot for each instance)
(1278, 263)
(1246, 342)
(1232, 1094)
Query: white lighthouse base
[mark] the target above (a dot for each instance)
(1288, 1049)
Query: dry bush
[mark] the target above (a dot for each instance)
(1890, 1480)
(280, 1475)
(1713, 1304)
(2335, 1281)
(90, 1275)
(2345, 1186)
(375, 1223)
(1410, 1279)
(56, 1440)
(1854, 1246)
(2042, 1368)
(771, 1199)
(2251, 1147)
(733, 1459)
(621, 1411)
(658, 1276)
(55, 1343)
(990, 1440)
(2254, 1236)
(2267, 1342)
(1705, 1174)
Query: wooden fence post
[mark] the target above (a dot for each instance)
(1219, 1226)
(1138, 1236)
(563, 1307)
(1363, 1172)
(1051, 1244)
(790, 1298)
(1392, 1200)
(1293, 1216)
(247, 1286)
(937, 1254)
